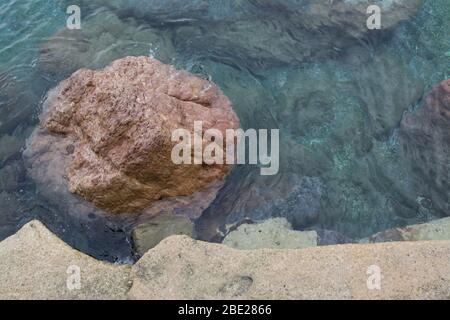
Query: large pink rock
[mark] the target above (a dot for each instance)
(108, 133)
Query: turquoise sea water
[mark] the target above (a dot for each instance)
(337, 114)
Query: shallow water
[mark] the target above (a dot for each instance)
(337, 114)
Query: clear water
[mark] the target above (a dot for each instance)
(337, 115)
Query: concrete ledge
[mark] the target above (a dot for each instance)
(182, 268)
(34, 265)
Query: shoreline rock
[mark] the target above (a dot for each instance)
(182, 268)
(34, 265)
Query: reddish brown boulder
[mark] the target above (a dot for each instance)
(112, 130)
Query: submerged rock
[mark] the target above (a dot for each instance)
(147, 235)
(291, 32)
(11, 213)
(35, 264)
(264, 32)
(106, 135)
(424, 139)
(11, 176)
(271, 234)
(10, 146)
(330, 237)
(102, 39)
(17, 102)
(179, 11)
(249, 198)
(387, 73)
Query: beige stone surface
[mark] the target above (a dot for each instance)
(181, 268)
(274, 233)
(434, 230)
(34, 264)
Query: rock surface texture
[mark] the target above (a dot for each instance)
(35, 264)
(181, 268)
(274, 233)
(109, 132)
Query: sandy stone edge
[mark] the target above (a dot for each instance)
(182, 268)
(34, 262)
